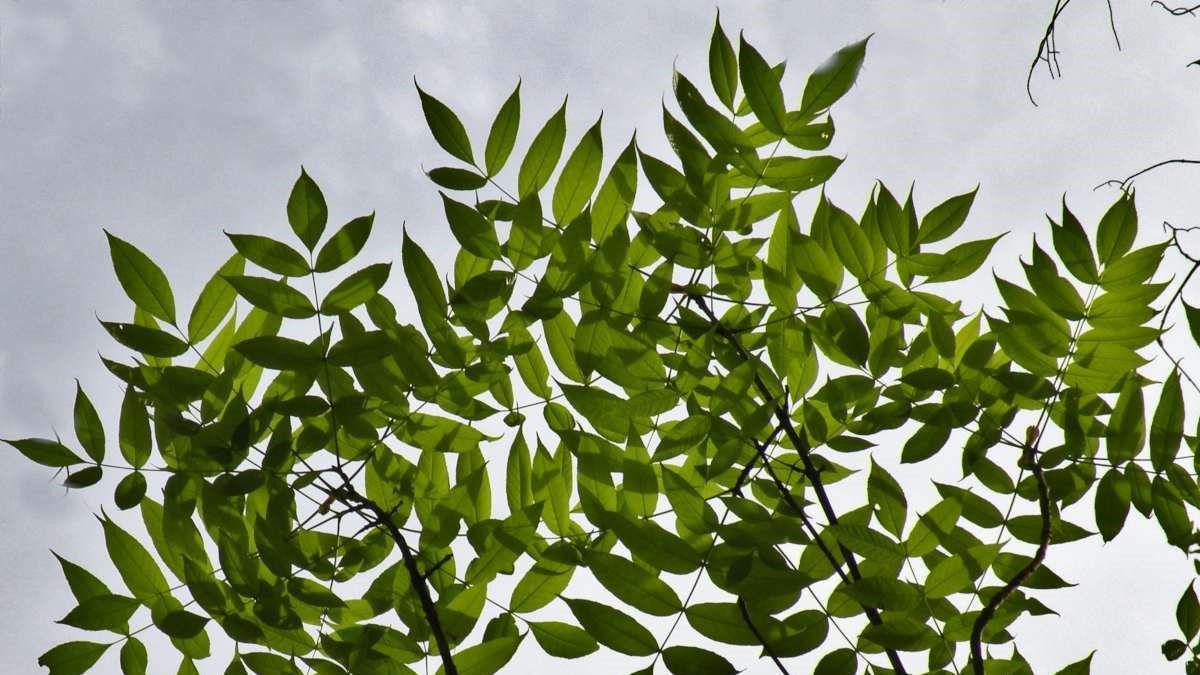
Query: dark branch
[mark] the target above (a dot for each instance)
(1125, 184)
(1177, 11)
(810, 471)
(1029, 461)
(759, 636)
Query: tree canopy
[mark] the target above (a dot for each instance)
(657, 393)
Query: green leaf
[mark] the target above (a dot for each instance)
(1118, 228)
(851, 243)
(72, 658)
(1071, 243)
(887, 499)
(485, 658)
(721, 622)
(215, 300)
(143, 281)
(422, 278)
(474, 232)
(356, 289)
(543, 154)
(838, 662)
(538, 588)
(1081, 667)
(88, 427)
(616, 194)
(133, 657)
(273, 296)
(344, 244)
(503, 134)
(1170, 513)
(562, 639)
(1173, 649)
(944, 219)
(1126, 432)
(306, 210)
(1187, 613)
(762, 88)
(447, 130)
(1113, 495)
(85, 477)
(102, 612)
(925, 443)
(313, 593)
(454, 178)
(579, 176)
(84, 585)
(145, 340)
(139, 571)
(633, 584)
(832, 79)
(613, 628)
(273, 256)
(182, 624)
(1166, 429)
(949, 576)
(722, 65)
(683, 660)
(133, 435)
(130, 490)
(279, 353)
(883, 593)
(45, 452)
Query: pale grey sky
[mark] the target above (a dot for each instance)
(166, 122)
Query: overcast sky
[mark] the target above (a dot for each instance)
(167, 122)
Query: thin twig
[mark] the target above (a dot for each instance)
(1029, 461)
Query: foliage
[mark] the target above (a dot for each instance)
(704, 372)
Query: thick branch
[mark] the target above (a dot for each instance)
(1029, 459)
(810, 471)
(419, 580)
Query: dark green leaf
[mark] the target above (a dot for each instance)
(1113, 495)
(944, 219)
(130, 490)
(133, 435)
(1187, 613)
(279, 353)
(133, 657)
(102, 612)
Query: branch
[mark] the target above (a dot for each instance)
(1177, 11)
(1125, 184)
(1046, 50)
(1029, 459)
(759, 636)
(419, 580)
(810, 471)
